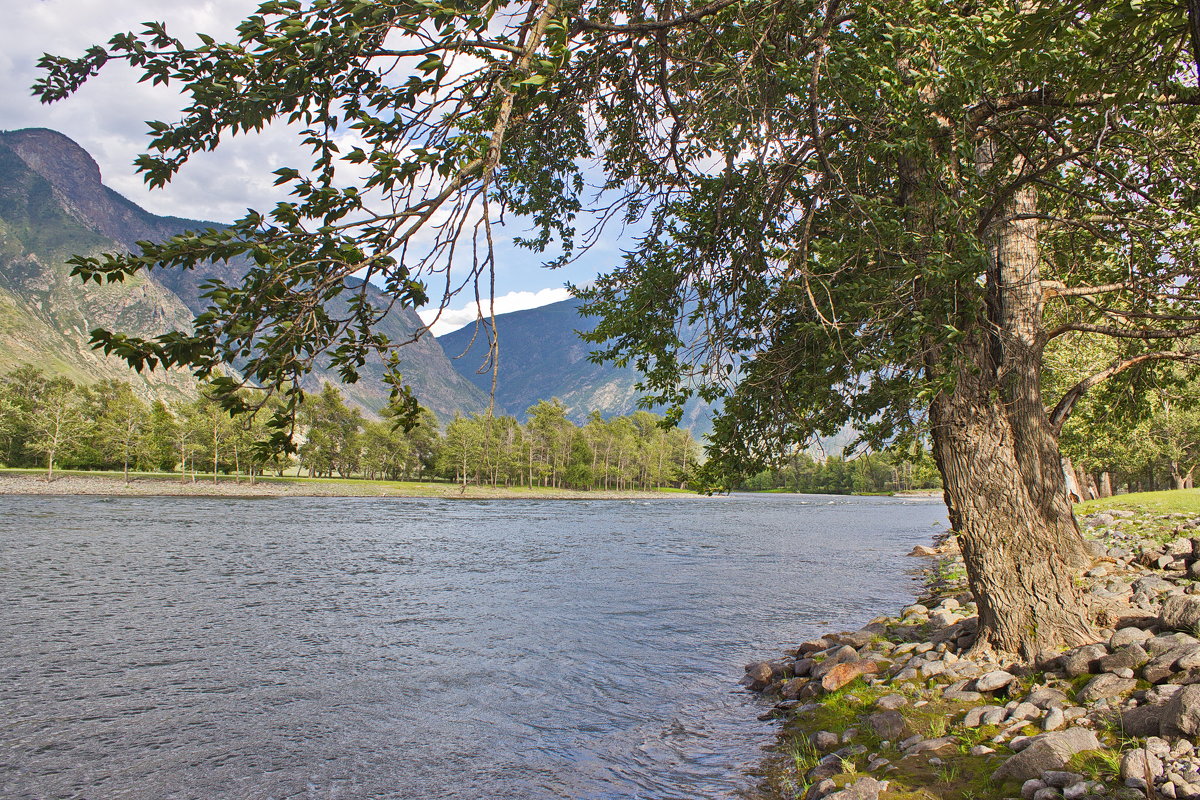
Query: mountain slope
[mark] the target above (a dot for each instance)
(54, 205)
(542, 356)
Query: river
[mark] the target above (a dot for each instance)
(417, 649)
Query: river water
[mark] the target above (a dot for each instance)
(417, 649)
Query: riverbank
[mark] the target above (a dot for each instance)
(899, 710)
(27, 482)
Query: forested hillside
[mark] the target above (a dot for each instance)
(541, 356)
(53, 205)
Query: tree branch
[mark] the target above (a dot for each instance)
(1063, 410)
(650, 26)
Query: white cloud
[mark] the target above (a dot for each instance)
(454, 318)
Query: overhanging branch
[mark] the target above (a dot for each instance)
(1063, 410)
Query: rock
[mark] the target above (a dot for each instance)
(982, 750)
(803, 666)
(1046, 697)
(820, 789)
(1181, 714)
(1131, 656)
(1055, 720)
(1076, 791)
(1030, 787)
(1181, 613)
(962, 696)
(1048, 793)
(1137, 765)
(825, 740)
(814, 646)
(1159, 668)
(932, 745)
(1157, 645)
(991, 681)
(842, 674)
(922, 550)
(1158, 695)
(993, 716)
(1105, 686)
(791, 689)
(758, 675)
(1082, 660)
(1127, 636)
(891, 702)
(857, 639)
(861, 789)
(974, 717)
(1142, 721)
(1024, 711)
(1152, 584)
(1060, 779)
(1049, 751)
(888, 725)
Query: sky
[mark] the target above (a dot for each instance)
(107, 117)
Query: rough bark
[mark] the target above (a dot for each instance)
(999, 453)
(1106, 489)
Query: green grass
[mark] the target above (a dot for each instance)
(1175, 501)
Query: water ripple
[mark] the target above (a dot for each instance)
(416, 649)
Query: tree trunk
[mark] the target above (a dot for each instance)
(1105, 489)
(1019, 542)
(998, 452)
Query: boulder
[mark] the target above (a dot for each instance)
(861, 789)
(1046, 697)
(791, 689)
(1047, 751)
(992, 681)
(975, 716)
(1181, 714)
(857, 639)
(1128, 636)
(1142, 721)
(1160, 644)
(825, 740)
(1131, 656)
(1082, 660)
(1105, 686)
(758, 675)
(842, 674)
(1181, 613)
(889, 725)
(942, 743)
(1061, 779)
(1159, 668)
(891, 702)
(1137, 766)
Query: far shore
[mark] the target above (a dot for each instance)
(28, 482)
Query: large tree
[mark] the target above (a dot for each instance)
(877, 213)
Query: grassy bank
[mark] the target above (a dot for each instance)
(1180, 501)
(76, 482)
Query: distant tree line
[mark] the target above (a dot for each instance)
(888, 471)
(54, 423)
(1143, 441)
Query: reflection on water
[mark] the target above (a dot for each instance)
(399, 648)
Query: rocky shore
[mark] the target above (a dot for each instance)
(899, 710)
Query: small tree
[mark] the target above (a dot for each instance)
(56, 421)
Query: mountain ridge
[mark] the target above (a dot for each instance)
(54, 204)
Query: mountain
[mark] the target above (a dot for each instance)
(542, 356)
(53, 205)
